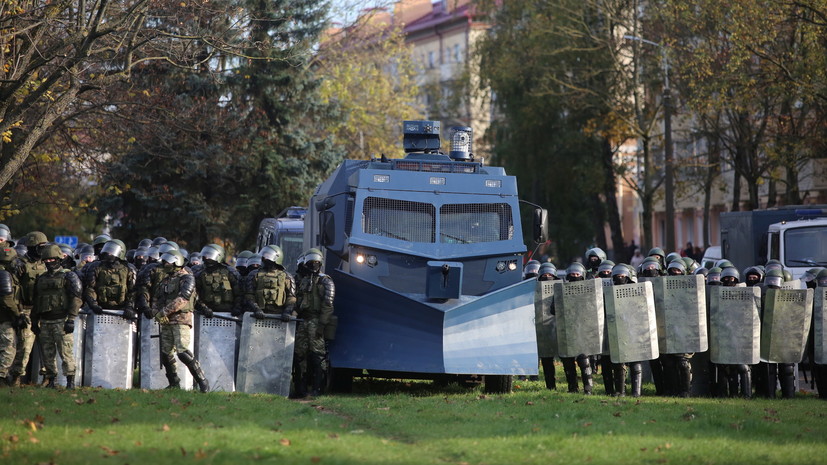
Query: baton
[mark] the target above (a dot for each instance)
(278, 317)
(228, 318)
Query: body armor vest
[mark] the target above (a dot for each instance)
(313, 290)
(111, 284)
(10, 303)
(217, 290)
(31, 270)
(271, 288)
(169, 289)
(51, 295)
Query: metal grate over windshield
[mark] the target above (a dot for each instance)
(399, 219)
(472, 223)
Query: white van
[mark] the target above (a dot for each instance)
(711, 255)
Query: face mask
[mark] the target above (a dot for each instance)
(52, 264)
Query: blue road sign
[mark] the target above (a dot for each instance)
(71, 241)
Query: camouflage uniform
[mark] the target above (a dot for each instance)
(315, 308)
(110, 286)
(57, 300)
(172, 299)
(30, 270)
(219, 289)
(10, 301)
(270, 291)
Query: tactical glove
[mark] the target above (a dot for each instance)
(161, 317)
(286, 316)
(96, 309)
(205, 310)
(22, 322)
(236, 311)
(36, 327)
(129, 314)
(69, 326)
(258, 314)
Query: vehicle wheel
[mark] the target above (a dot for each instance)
(497, 384)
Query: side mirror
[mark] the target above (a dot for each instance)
(540, 225)
(328, 228)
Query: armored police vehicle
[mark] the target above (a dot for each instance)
(286, 230)
(426, 254)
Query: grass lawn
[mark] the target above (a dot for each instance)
(397, 422)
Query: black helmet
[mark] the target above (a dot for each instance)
(730, 276)
(753, 276)
(701, 271)
(676, 268)
(87, 253)
(621, 274)
(576, 272)
(547, 271)
(605, 269)
(531, 269)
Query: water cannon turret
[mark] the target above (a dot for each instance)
(461, 143)
(421, 136)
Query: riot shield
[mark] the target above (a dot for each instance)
(580, 317)
(265, 356)
(786, 324)
(79, 339)
(630, 322)
(680, 307)
(153, 375)
(820, 325)
(544, 322)
(216, 348)
(109, 350)
(734, 325)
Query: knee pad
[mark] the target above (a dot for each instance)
(186, 357)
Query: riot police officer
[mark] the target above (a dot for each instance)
(241, 262)
(660, 255)
(270, 289)
(10, 306)
(605, 269)
(768, 374)
(650, 267)
(594, 257)
(110, 282)
(57, 300)
(739, 376)
(577, 272)
(32, 267)
(99, 241)
(315, 307)
(219, 285)
(677, 368)
(5, 236)
(531, 269)
(172, 304)
(548, 272)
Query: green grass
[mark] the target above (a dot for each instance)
(395, 422)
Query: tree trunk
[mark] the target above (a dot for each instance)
(612, 212)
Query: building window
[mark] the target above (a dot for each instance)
(457, 57)
(430, 59)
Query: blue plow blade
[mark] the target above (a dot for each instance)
(380, 329)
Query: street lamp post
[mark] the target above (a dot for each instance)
(669, 181)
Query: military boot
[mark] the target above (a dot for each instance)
(318, 381)
(620, 380)
(636, 370)
(70, 382)
(745, 381)
(608, 375)
(548, 372)
(172, 373)
(684, 369)
(14, 380)
(586, 373)
(570, 369)
(195, 368)
(786, 377)
(50, 383)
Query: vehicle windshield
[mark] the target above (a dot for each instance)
(806, 246)
(458, 223)
(291, 245)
